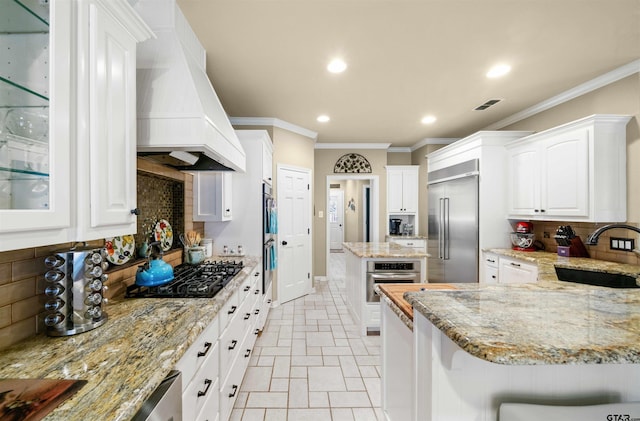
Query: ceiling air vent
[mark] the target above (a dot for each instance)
(487, 104)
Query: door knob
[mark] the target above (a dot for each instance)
(284, 243)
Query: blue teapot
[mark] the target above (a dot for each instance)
(155, 271)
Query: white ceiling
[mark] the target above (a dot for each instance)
(407, 59)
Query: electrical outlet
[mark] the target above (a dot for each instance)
(624, 244)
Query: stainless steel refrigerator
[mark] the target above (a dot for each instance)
(453, 223)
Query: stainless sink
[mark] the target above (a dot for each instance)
(602, 279)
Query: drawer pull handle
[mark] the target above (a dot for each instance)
(247, 288)
(247, 315)
(207, 347)
(257, 292)
(233, 344)
(269, 301)
(255, 332)
(515, 264)
(233, 310)
(493, 276)
(246, 354)
(256, 274)
(491, 261)
(257, 311)
(235, 390)
(207, 384)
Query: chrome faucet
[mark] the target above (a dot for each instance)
(592, 239)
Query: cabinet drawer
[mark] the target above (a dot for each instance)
(210, 410)
(231, 343)
(490, 260)
(513, 271)
(203, 387)
(491, 275)
(197, 353)
(417, 243)
(230, 388)
(228, 310)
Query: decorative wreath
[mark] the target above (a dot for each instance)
(352, 163)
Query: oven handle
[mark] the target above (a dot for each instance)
(395, 275)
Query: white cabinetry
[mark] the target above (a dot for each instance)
(491, 269)
(212, 196)
(88, 104)
(416, 243)
(239, 319)
(200, 370)
(402, 189)
(573, 172)
(514, 271)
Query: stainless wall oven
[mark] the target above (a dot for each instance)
(390, 272)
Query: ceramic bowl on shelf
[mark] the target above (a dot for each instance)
(28, 124)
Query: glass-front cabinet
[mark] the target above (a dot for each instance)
(34, 118)
(67, 120)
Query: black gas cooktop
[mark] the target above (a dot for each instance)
(191, 281)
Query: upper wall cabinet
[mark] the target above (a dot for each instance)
(67, 121)
(402, 189)
(212, 196)
(573, 172)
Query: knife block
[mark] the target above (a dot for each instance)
(576, 249)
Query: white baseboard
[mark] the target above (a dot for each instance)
(320, 278)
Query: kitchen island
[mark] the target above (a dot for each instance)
(125, 359)
(399, 264)
(479, 346)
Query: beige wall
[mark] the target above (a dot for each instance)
(399, 158)
(325, 160)
(622, 97)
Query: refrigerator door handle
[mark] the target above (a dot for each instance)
(445, 248)
(441, 229)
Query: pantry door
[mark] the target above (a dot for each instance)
(294, 233)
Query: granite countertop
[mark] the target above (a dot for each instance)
(531, 324)
(377, 250)
(546, 262)
(125, 359)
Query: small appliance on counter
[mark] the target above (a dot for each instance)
(407, 229)
(522, 239)
(394, 226)
(74, 291)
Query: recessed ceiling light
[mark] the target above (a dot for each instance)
(428, 119)
(323, 118)
(498, 70)
(337, 66)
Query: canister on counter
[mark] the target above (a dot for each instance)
(207, 243)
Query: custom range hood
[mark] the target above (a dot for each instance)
(181, 121)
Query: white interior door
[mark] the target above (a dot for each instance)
(294, 233)
(336, 218)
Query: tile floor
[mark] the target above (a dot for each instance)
(310, 363)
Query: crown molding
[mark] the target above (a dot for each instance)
(582, 89)
(399, 149)
(275, 122)
(352, 145)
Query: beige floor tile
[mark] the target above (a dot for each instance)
(298, 393)
(241, 400)
(368, 360)
(347, 400)
(266, 360)
(314, 350)
(306, 360)
(256, 379)
(336, 350)
(341, 414)
(318, 400)
(298, 372)
(236, 415)
(267, 400)
(364, 414)
(368, 371)
(281, 366)
(275, 414)
(373, 390)
(311, 414)
(349, 366)
(279, 385)
(253, 414)
(325, 379)
(354, 384)
(330, 360)
(275, 350)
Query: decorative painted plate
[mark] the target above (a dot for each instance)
(164, 234)
(120, 249)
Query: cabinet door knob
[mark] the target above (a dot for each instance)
(135, 211)
(284, 243)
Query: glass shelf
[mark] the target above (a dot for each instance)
(15, 96)
(24, 16)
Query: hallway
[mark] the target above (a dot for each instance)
(310, 363)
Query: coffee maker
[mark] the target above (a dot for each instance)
(394, 226)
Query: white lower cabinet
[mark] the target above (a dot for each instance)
(415, 243)
(489, 269)
(398, 367)
(200, 369)
(513, 271)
